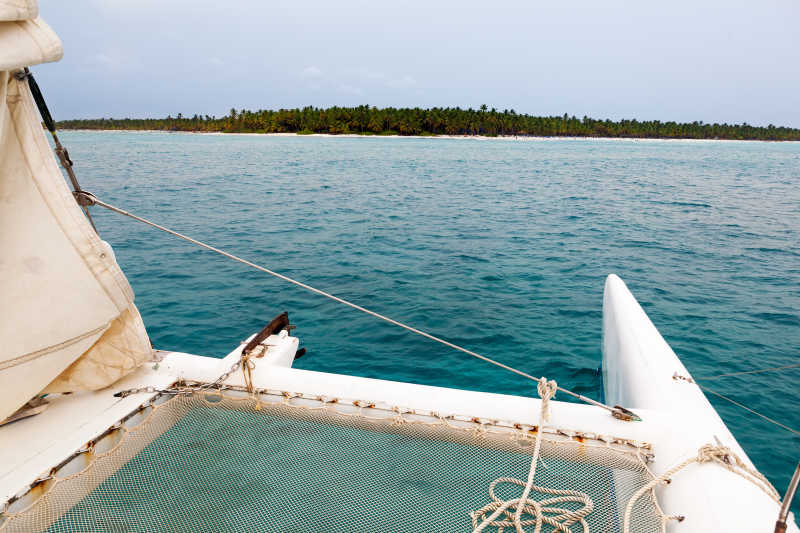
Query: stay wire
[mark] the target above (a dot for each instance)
(771, 369)
(85, 198)
(753, 411)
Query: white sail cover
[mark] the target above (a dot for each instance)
(67, 319)
(25, 39)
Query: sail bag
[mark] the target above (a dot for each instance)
(67, 319)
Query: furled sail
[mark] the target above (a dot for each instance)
(67, 319)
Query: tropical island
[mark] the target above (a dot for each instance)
(367, 120)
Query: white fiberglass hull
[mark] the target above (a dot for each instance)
(640, 371)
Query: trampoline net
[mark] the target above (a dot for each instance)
(225, 462)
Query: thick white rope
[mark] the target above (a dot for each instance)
(542, 511)
(721, 455)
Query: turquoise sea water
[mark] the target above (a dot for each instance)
(501, 246)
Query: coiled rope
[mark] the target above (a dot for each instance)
(542, 511)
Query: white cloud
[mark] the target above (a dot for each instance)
(102, 59)
(402, 83)
(350, 89)
(311, 72)
(366, 74)
(111, 60)
(354, 81)
(381, 79)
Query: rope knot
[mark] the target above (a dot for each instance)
(709, 452)
(547, 390)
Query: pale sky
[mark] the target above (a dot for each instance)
(709, 60)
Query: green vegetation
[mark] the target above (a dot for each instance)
(368, 120)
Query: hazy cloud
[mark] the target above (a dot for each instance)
(311, 72)
(402, 83)
(110, 60)
(683, 60)
(350, 89)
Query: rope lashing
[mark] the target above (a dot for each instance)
(708, 453)
(86, 199)
(247, 375)
(546, 511)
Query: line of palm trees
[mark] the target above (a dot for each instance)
(369, 120)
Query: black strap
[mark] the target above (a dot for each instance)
(40, 103)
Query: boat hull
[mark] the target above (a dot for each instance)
(641, 371)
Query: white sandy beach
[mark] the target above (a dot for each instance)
(520, 138)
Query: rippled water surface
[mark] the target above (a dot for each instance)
(498, 245)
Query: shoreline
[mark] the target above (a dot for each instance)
(523, 138)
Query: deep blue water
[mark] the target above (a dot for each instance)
(501, 246)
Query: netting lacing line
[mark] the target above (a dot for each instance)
(543, 511)
(248, 366)
(708, 453)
